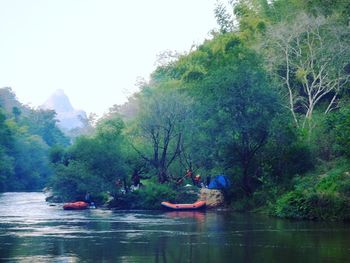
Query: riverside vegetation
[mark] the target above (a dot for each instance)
(265, 101)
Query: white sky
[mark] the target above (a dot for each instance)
(92, 49)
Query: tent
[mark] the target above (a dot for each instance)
(219, 182)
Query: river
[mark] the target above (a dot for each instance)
(33, 231)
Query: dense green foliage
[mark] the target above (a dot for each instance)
(321, 196)
(264, 101)
(91, 164)
(26, 136)
(150, 196)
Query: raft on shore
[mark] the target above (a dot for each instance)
(195, 206)
(80, 205)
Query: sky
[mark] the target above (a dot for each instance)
(95, 50)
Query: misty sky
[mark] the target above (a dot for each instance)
(93, 49)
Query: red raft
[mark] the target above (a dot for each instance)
(195, 206)
(80, 205)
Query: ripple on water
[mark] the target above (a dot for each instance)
(44, 259)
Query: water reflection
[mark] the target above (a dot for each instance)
(199, 216)
(33, 231)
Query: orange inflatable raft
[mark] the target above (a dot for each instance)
(195, 206)
(80, 205)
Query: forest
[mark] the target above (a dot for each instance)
(264, 100)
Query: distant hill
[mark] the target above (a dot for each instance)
(69, 118)
(8, 100)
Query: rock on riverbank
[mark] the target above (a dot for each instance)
(213, 198)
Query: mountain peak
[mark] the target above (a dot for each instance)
(59, 92)
(69, 118)
(59, 102)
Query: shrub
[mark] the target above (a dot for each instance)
(151, 196)
(314, 205)
(291, 205)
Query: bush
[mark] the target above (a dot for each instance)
(313, 205)
(338, 123)
(72, 182)
(151, 196)
(324, 197)
(291, 205)
(242, 204)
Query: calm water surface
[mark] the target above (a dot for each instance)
(33, 231)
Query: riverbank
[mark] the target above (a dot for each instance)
(322, 195)
(150, 197)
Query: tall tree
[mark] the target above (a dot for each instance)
(309, 56)
(233, 102)
(162, 123)
(92, 164)
(44, 124)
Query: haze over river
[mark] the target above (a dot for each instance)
(33, 231)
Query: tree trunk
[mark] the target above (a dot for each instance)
(246, 180)
(246, 183)
(162, 176)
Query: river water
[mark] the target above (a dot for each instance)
(33, 231)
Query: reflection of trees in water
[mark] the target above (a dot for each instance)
(199, 216)
(32, 249)
(169, 249)
(160, 255)
(189, 240)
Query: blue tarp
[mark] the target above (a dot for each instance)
(219, 182)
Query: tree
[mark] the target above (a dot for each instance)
(16, 112)
(102, 153)
(233, 106)
(340, 126)
(223, 18)
(252, 17)
(44, 124)
(31, 164)
(92, 164)
(6, 146)
(245, 106)
(162, 123)
(87, 128)
(309, 56)
(8, 100)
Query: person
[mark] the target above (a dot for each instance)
(136, 180)
(197, 180)
(118, 183)
(208, 181)
(189, 173)
(88, 198)
(179, 181)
